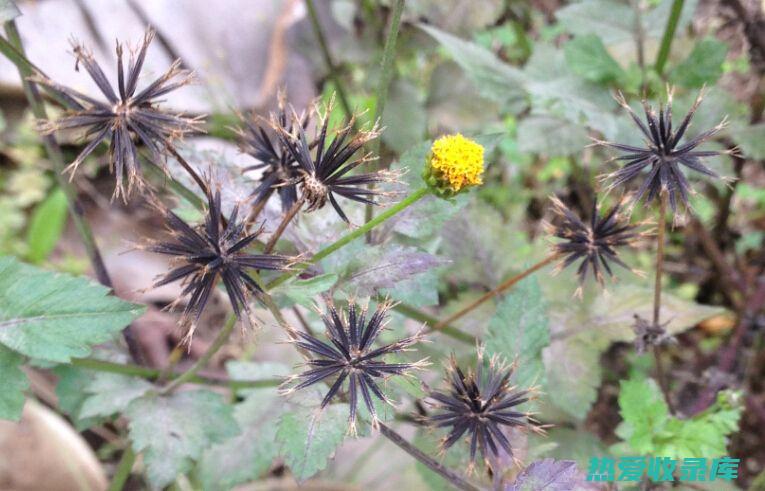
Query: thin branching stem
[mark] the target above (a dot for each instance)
(350, 237)
(332, 70)
(660, 240)
(288, 217)
(455, 479)
(203, 360)
(502, 287)
(14, 46)
(669, 35)
(188, 168)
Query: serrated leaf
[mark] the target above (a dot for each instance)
(519, 330)
(110, 393)
(551, 475)
(8, 10)
(588, 58)
(46, 225)
(70, 391)
(55, 317)
(13, 383)
(303, 292)
(615, 22)
(534, 136)
(751, 140)
(703, 65)
(556, 91)
(247, 456)
(582, 330)
(173, 431)
(494, 79)
(308, 438)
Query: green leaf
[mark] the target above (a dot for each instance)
(45, 226)
(309, 438)
(557, 91)
(648, 428)
(405, 118)
(71, 394)
(13, 383)
(583, 330)
(588, 57)
(173, 431)
(8, 10)
(303, 292)
(519, 330)
(247, 456)
(614, 21)
(494, 79)
(55, 317)
(534, 136)
(111, 393)
(751, 140)
(703, 66)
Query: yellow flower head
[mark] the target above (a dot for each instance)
(455, 163)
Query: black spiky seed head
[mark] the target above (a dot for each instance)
(280, 171)
(663, 154)
(325, 171)
(350, 356)
(479, 405)
(595, 243)
(213, 251)
(126, 117)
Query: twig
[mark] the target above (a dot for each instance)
(451, 476)
(350, 237)
(57, 158)
(504, 286)
(431, 322)
(660, 239)
(283, 225)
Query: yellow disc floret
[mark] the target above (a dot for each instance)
(455, 163)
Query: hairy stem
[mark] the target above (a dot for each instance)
(350, 237)
(455, 479)
(154, 374)
(327, 55)
(660, 239)
(283, 225)
(669, 35)
(13, 46)
(122, 473)
(386, 76)
(203, 360)
(502, 287)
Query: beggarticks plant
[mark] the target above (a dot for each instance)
(306, 164)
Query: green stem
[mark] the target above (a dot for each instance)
(431, 322)
(203, 360)
(348, 238)
(154, 374)
(14, 51)
(327, 55)
(123, 470)
(386, 76)
(669, 35)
